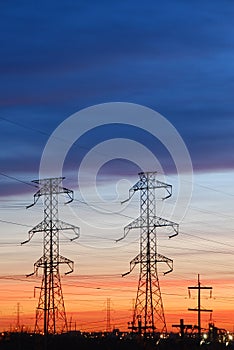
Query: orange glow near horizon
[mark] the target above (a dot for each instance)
(85, 301)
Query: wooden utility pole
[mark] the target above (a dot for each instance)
(199, 309)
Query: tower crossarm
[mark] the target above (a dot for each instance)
(169, 262)
(153, 184)
(156, 221)
(62, 225)
(160, 222)
(38, 228)
(133, 189)
(46, 189)
(153, 258)
(69, 193)
(39, 263)
(157, 258)
(42, 263)
(70, 263)
(134, 224)
(133, 263)
(167, 187)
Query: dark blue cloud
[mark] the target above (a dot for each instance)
(112, 131)
(173, 56)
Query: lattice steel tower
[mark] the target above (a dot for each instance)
(148, 315)
(108, 312)
(50, 313)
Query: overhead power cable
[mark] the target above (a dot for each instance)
(14, 223)
(14, 178)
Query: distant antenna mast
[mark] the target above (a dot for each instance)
(50, 313)
(199, 309)
(148, 312)
(18, 311)
(108, 325)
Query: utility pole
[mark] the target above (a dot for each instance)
(199, 309)
(148, 312)
(50, 313)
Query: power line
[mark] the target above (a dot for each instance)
(16, 179)
(14, 223)
(109, 239)
(202, 186)
(214, 190)
(207, 239)
(24, 126)
(107, 211)
(198, 250)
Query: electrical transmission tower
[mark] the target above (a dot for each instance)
(50, 313)
(148, 312)
(199, 309)
(108, 325)
(18, 311)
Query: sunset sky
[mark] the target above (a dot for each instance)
(174, 57)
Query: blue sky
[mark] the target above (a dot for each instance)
(175, 57)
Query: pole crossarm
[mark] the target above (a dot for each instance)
(200, 287)
(201, 310)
